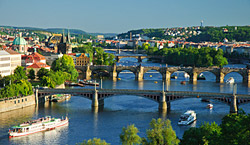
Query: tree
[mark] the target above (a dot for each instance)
(161, 133)
(95, 141)
(19, 73)
(31, 74)
(42, 72)
(65, 64)
(206, 134)
(129, 135)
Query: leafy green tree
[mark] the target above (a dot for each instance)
(129, 135)
(31, 74)
(19, 73)
(94, 141)
(65, 64)
(235, 129)
(161, 133)
(42, 72)
(47, 81)
(206, 134)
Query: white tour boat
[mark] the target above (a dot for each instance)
(230, 80)
(210, 106)
(34, 126)
(187, 118)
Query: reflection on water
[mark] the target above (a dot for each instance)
(16, 117)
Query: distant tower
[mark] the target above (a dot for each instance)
(68, 36)
(201, 23)
(130, 35)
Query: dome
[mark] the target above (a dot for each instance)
(19, 41)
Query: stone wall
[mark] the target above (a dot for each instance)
(16, 103)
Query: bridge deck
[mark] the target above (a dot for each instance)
(139, 92)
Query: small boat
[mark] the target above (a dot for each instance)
(34, 126)
(173, 77)
(88, 82)
(186, 75)
(201, 77)
(210, 106)
(150, 76)
(187, 118)
(205, 100)
(155, 82)
(183, 82)
(230, 80)
(60, 97)
(67, 96)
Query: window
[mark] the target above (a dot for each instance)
(18, 101)
(25, 99)
(14, 102)
(22, 100)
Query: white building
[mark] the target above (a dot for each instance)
(9, 60)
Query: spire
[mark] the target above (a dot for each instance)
(63, 38)
(68, 36)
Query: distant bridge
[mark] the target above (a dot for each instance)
(165, 71)
(163, 98)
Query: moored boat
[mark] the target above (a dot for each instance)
(89, 82)
(39, 125)
(210, 106)
(201, 77)
(187, 118)
(230, 80)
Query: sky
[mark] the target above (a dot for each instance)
(119, 16)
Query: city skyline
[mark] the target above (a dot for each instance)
(118, 17)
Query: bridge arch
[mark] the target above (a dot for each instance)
(101, 72)
(152, 73)
(128, 72)
(87, 96)
(154, 98)
(207, 75)
(180, 75)
(131, 59)
(237, 75)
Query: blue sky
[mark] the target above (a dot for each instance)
(118, 16)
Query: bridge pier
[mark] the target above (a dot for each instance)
(163, 105)
(220, 77)
(36, 96)
(246, 78)
(88, 73)
(233, 105)
(114, 73)
(166, 76)
(139, 74)
(139, 59)
(193, 77)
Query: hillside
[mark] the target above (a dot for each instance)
(195, 34)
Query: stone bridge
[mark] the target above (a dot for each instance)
(138, 57)
(166, 72)
(163, 98)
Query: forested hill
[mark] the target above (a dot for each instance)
(196, 34)
(217, 34)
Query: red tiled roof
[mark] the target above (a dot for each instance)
(38, 65)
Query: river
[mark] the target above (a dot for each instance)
(122, 110)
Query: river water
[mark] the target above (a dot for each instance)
(122, 110)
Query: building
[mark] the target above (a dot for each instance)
(64, 46)
(9, 60)
(82, 59)
(37, 66)
(100, 37)
(35, 57)
(20, 44)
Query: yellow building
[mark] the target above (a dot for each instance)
(55, 38)
(82, 59)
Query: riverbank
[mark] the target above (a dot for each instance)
(13, 103)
